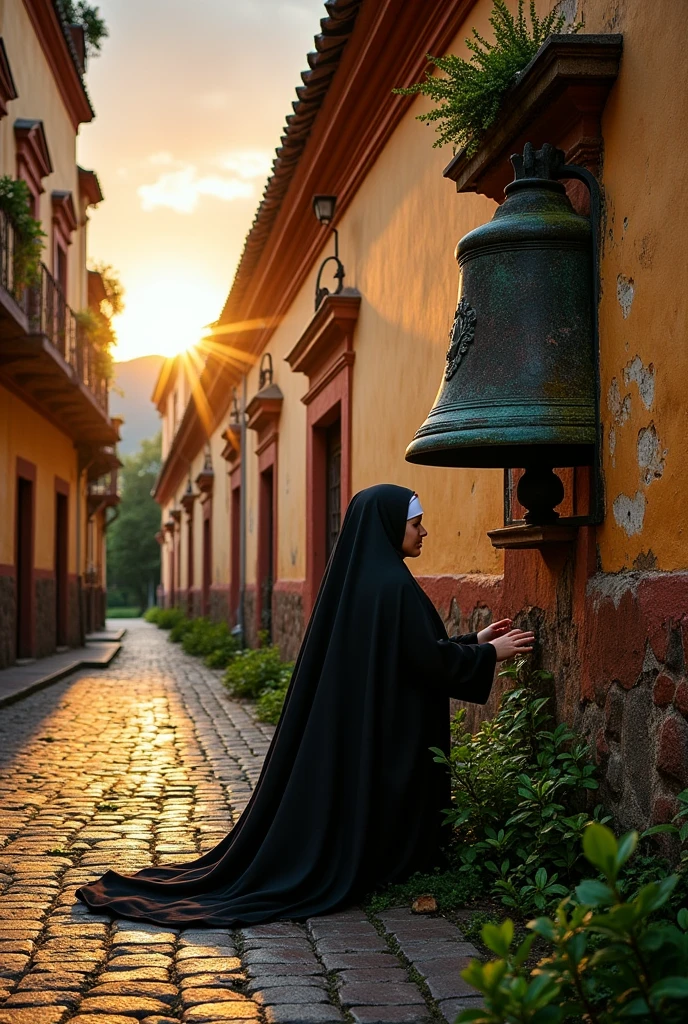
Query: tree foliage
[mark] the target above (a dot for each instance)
(132, 550)
(469, 96)
(81, 12)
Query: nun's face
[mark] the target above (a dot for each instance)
(413, 538)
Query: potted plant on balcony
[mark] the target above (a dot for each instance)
(21, 237)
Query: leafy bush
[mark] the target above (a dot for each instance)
(517, 789)
(254, 671)
(609, 960)
(178, 631)
(470, 97)
(224, 652)
(201, 636)
(270, 703)
(167, 618)
(152, 614)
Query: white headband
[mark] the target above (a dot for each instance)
(415, 508)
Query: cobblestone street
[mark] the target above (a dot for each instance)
(149, 762)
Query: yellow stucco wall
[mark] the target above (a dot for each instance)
(39, 99)
(644, 309)
(24, 433)
(397, 240)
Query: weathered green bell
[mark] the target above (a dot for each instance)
(518, 388)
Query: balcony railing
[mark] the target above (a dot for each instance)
(105, 487)
(49, 314)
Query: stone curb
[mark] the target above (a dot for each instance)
(55, 677)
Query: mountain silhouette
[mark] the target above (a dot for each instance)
(130, 398)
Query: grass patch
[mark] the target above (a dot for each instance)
(451, 889)
(123, 613)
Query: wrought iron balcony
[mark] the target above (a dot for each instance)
(104, 492)
(42, 310)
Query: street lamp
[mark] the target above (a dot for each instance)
(323, 208)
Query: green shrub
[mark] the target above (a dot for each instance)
(178, 631)
(169, 617)
(202, 636)
(518, 792)
(152, 614)
(609, 958)
(254, 671)
(470, 97)
(224, 652)
(270, 703)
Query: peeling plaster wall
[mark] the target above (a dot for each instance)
(644, 306)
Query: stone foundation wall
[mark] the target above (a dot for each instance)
(250, 616)
(287, 621)
(617, 645)
(44, 610)
(195, 604)
(8, 621)
(219, 604)
(73, 619)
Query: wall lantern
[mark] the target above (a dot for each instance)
(520, 387)
(265, 373)
(235, 413)
(323, 207)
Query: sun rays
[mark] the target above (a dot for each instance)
(237, 360)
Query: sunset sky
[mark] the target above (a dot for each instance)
(190, 101)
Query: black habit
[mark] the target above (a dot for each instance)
(349, 796)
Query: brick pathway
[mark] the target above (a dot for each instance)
(149, 762)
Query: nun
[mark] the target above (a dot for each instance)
(349, 797)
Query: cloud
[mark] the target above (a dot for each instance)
(247, 163)
(181, 190)
(164, 159)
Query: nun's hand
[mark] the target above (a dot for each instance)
(513, 643)
(494, 630)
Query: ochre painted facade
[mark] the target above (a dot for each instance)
(57, 459)
(610, 606)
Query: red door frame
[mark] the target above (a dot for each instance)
(189, 561)
(171, 567)
(234, 542)
(267, 467)
(331, 403)
(61, 561)
(207, 554)
(25, 527)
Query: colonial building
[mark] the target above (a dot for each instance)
(58, 464)
(305, 396)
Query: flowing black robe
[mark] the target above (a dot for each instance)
(349, 796)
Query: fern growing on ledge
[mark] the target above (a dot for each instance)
(469, 98)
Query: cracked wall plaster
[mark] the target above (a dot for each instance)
(629, 513)
(643, 376)
(651, 455)
(625, 291)
(619, 407)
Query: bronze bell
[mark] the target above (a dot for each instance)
(518, 388)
